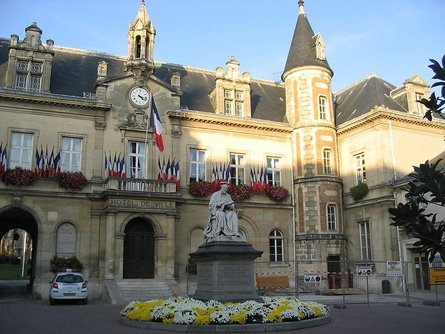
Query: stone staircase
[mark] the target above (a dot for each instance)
(146, 289)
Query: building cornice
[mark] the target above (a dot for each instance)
(380, 113)
(53, 99)
(210, 118)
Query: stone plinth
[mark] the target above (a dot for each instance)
(226, 271)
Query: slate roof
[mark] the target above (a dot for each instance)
(360, 97)
(74, 72)
(302, 51)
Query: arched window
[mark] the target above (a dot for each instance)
(138, 46)
(276, 248)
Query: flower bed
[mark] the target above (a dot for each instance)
(189, 311)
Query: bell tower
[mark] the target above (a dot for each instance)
(309, 110)
(141, 37)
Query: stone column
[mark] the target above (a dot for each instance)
(94, 244)
(109, 244)
(170, 247)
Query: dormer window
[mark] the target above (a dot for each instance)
(28, 75)
(319, 47)
(420, 107)
(233, 103)
(231, 95)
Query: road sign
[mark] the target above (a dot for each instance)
(363, 271)
(312, 278)
(437, 276)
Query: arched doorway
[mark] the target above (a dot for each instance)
(139, 248)
(19, 219)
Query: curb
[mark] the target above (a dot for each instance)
(270, 327)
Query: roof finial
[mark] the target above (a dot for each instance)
(301, 5)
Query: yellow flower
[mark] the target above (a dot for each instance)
(274, 316)
(238, 318)
(202, 319)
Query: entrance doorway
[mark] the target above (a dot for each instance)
(139, 249)
(422, 275)
(334, 272)
(18, 241)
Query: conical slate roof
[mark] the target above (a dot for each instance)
(302, 50)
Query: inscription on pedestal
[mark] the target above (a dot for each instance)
(234, 274)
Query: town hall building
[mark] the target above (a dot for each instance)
(118, 157)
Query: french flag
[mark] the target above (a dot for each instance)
(155, 122)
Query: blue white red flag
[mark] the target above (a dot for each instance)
(155, 122)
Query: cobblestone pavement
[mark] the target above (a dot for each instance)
(20, 314)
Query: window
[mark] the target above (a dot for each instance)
(327, 161)
(136, 160)
(233, 102)
(331, 214)
(29, 75)
(322, 107)
(21, 150)
(197, 165)
(273, 171)
(419, 106)
(360, 170)
(237, 168)
(71, 154)
(365, 240)
(276, 246)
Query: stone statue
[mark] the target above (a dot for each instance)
(223, 220)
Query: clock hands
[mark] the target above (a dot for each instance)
(143, 98)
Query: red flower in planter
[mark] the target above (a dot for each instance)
(200, 189)
(278, 194)
(240, 192)
(70, 180)
(19, 177)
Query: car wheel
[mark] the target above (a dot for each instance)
(51, 301)
(85, 301)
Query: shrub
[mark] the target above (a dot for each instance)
(359, 191)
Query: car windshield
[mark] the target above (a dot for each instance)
(69, 278)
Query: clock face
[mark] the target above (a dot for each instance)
(140, 96)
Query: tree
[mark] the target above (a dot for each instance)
(436, 104)
(427, 187)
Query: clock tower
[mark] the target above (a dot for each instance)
(141, 37)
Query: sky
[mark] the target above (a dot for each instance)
(393, 39)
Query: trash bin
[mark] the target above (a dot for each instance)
(386, 286)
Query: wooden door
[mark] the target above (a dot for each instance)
(139, 249)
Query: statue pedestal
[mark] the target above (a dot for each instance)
(226, 271)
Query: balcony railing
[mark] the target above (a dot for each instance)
(141, 185)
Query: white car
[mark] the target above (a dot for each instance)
(68, 285)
